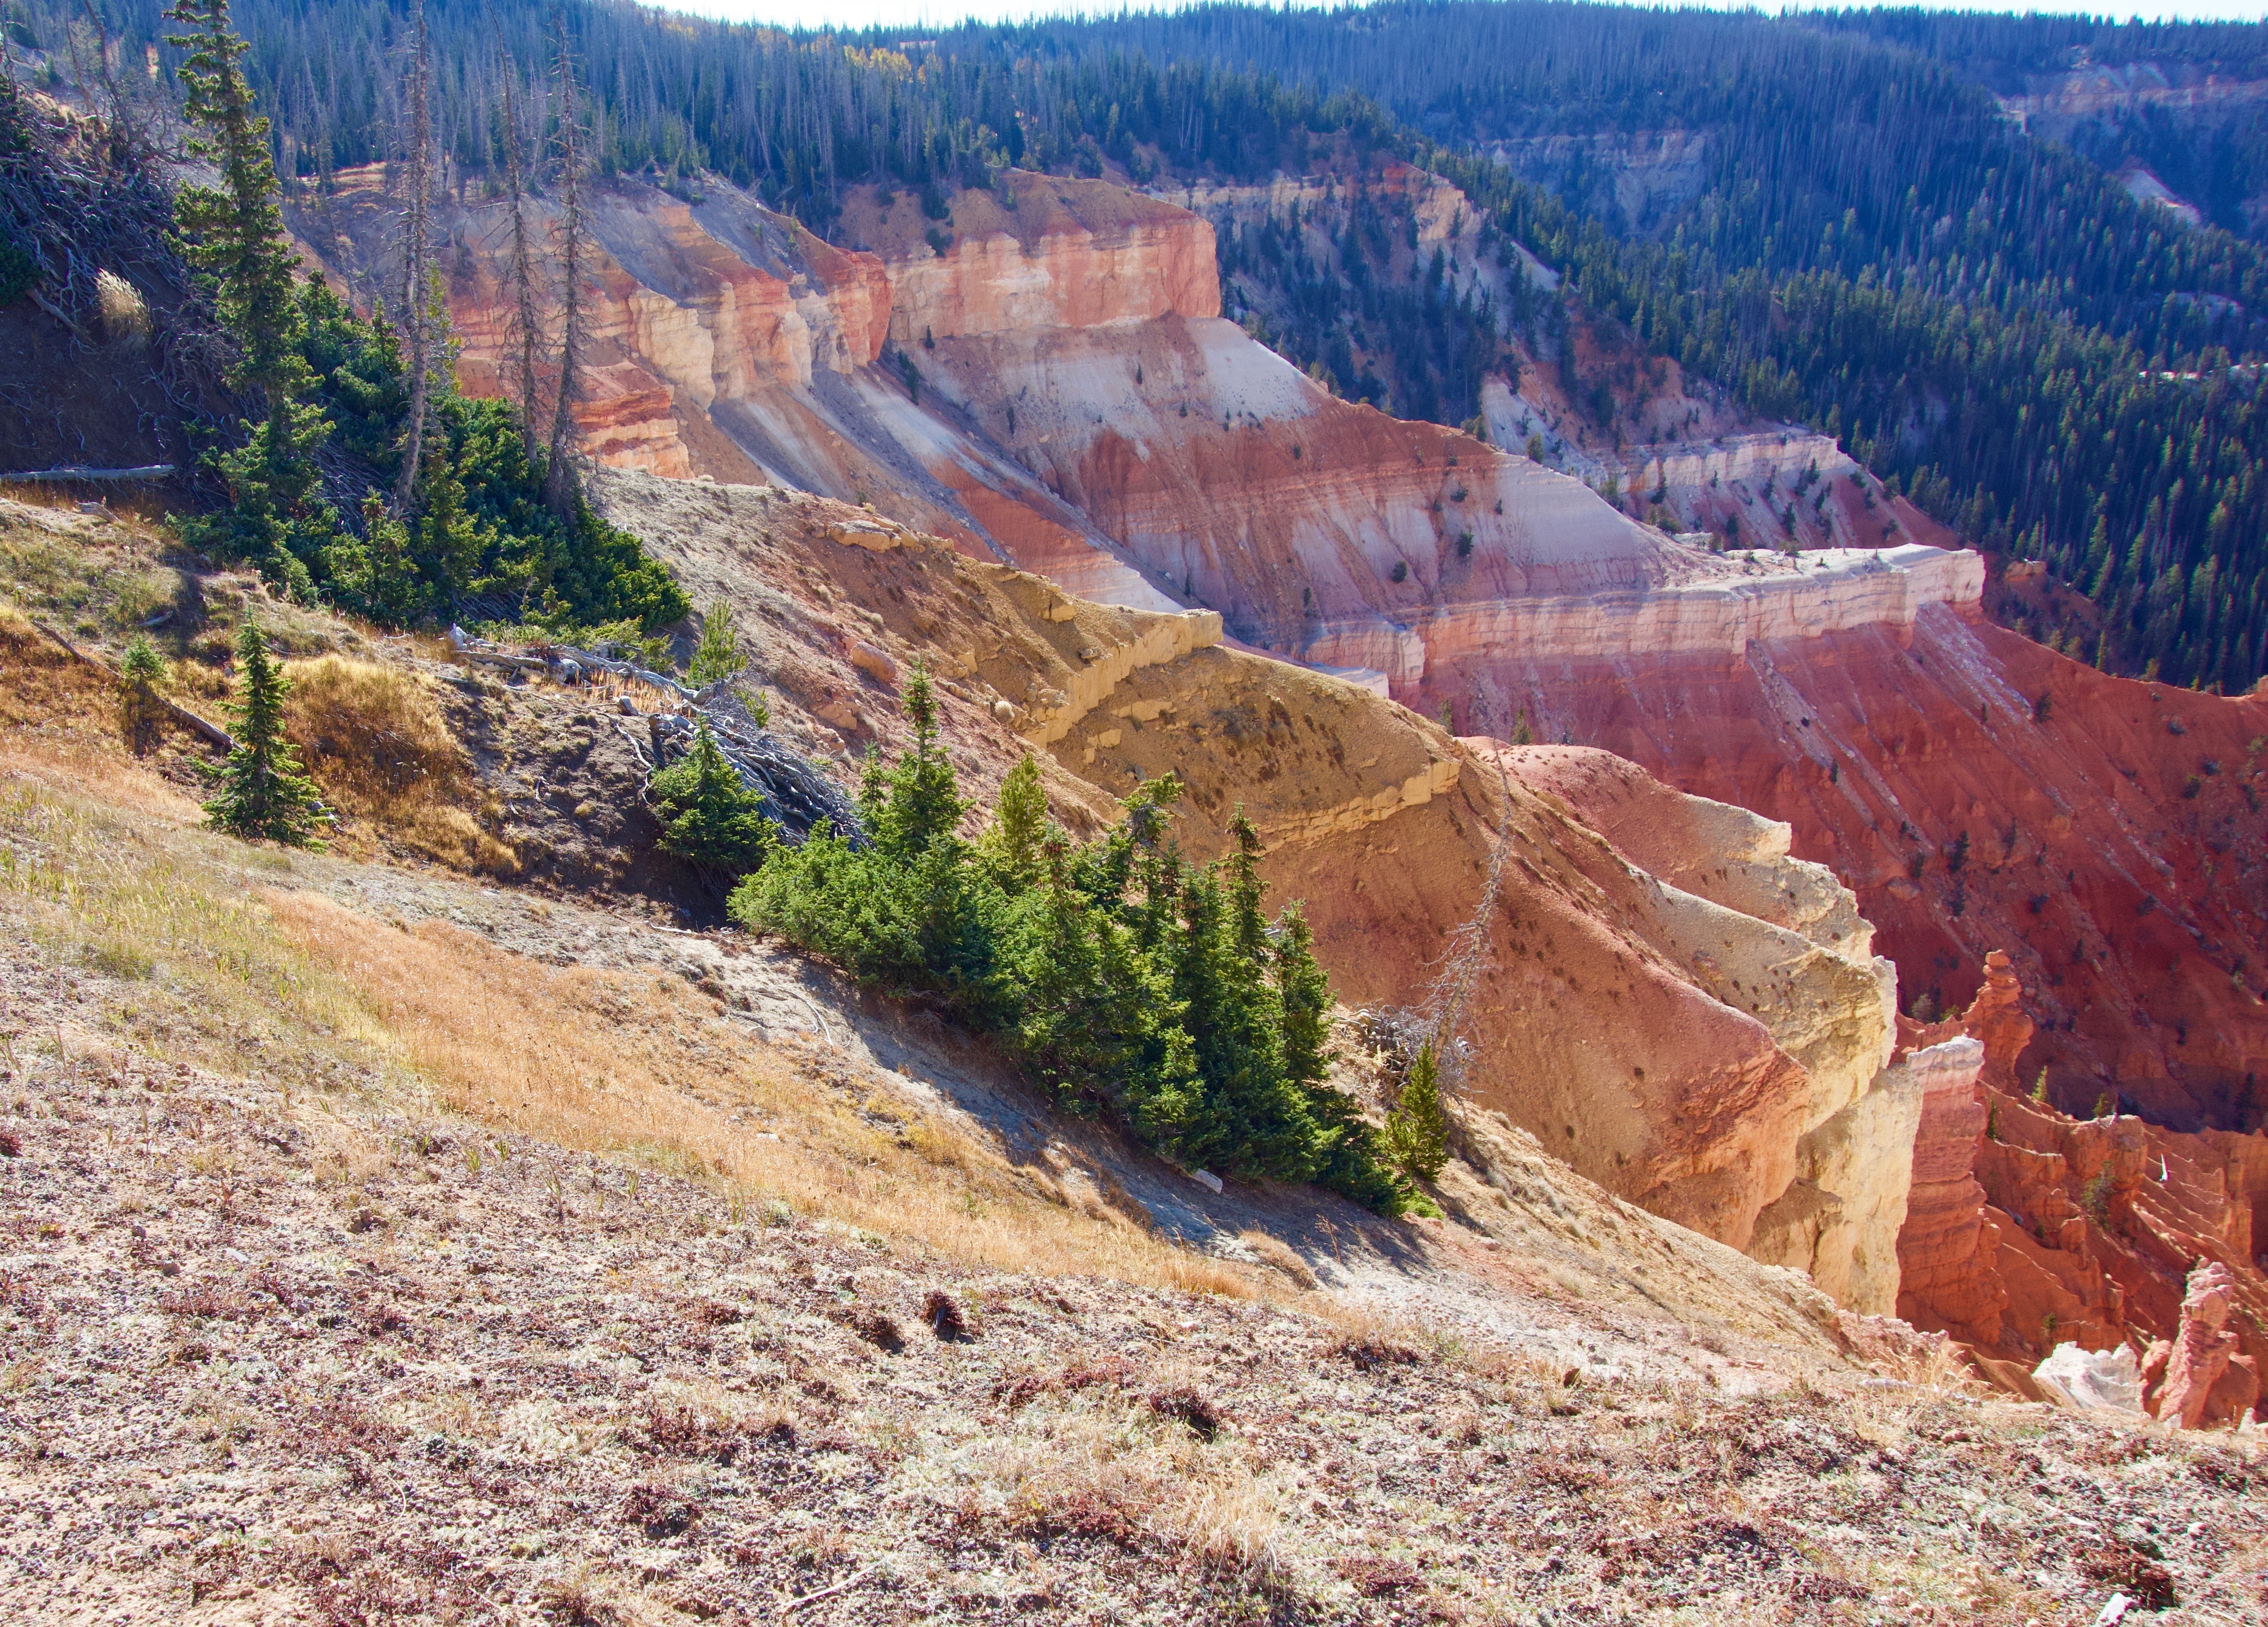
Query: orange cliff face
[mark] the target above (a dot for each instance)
(1054, 388)
(726, 339)
(1036, 252)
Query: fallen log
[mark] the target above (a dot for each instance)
(80, 471)
(212, 732)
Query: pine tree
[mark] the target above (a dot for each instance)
(1011, 842)
(561, 488)
(419, 295)
(1418, 1130)
(141, 676)
(709, 818)
(718, 656)
(925, 803)
(235, 236)
(263, 793)
(526, 329)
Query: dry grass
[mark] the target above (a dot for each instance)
(59, 725)
(1108, 1463)
(376, 742)
(1280, 1255)
(610, 1062)
(160, 910)
(294, 988)
(125, 315)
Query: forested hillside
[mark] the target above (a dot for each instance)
(2189, 100)
(1864, 243)
(2053, 367)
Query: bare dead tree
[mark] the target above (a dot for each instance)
(417, 263)
(526, 330)
(1466, 956)
(559, 482)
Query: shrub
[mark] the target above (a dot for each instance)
(2094, 1198)
(1418, 1130)
(141, 679)
(718, 656)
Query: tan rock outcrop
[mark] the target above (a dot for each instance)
(1678, 1046)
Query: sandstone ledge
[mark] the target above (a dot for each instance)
(1827, 591)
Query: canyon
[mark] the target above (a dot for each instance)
(1857, 757)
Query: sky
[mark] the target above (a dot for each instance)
(917, 15)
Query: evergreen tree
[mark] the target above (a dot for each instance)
(1020, 824)
(924, 805)
(709, 818)
(1115, 977)
(234, 234)
(1418, 1130)
(718, 656)
(263, 793)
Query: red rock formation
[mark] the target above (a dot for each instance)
(1978, 790)
(1948, 1246)
(2198, 1379)
(1034, 252)
(2028, 1228)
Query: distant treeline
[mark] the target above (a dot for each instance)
(1868, 245)
(795, 117)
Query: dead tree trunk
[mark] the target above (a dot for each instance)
(1466, 956)
(527, 330)
(560, 485)
(416, 275)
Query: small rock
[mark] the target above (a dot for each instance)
(875, 663)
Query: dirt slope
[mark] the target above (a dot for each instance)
(301, 1321)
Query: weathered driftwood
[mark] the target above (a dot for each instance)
(80, 471)
(796, 793)
(211, 732)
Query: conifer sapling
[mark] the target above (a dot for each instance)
(709, 818)
(1011, 842)
(140, 675)
(264, 793)
(1418, 1130)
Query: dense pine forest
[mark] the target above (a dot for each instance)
(1866, 244)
